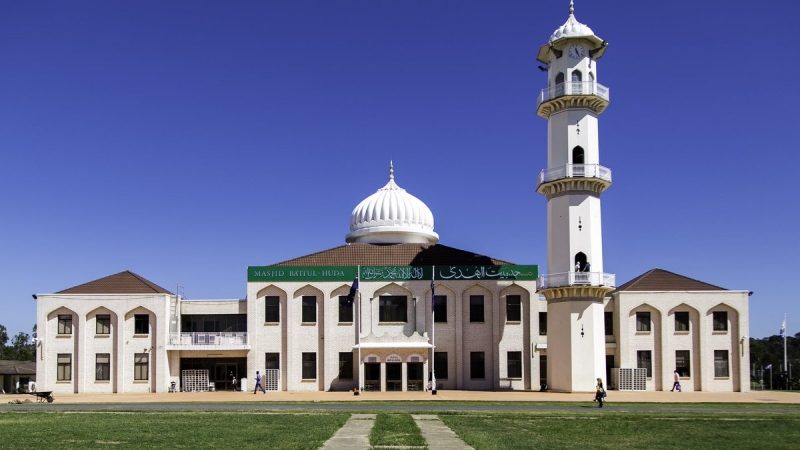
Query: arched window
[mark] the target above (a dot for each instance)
(560, 78)
(581, 263)
(577, 76)
(577, 155)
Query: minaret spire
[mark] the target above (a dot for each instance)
(391, 170)
(571, 8)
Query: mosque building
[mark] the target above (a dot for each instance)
(394, 310)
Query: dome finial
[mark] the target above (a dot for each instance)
(571, 8)
(391, 170)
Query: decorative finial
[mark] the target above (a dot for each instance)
(391, 170)
(571, 8)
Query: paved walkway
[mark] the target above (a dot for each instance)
(437, 434)
(354, 435)
(442, 396)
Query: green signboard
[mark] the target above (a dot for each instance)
(391, 273)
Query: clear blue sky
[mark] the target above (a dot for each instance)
(186, 140)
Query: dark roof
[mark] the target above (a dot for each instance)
(393, 255)
(664, 280)
(125, 282)
(17, 367)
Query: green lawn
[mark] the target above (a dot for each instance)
(395, 430)
(168, 430)
(712, 426)
(626, 430)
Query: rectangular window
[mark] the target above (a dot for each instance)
(141, 366)
(272, 361)
(65, 324)
(309, 366)
(542, 324)
(682, 363)
(513, 308)
(721, 364)
(345, 309)
(476, 308)
(309, 309)
(141, 324)
(644, 360)
(643, 321)
(392, 308)
(514, 364)
(272, 309)
(64, 361)
(440, 308)
(102, 367)
(682, 321)
(440, 365)
(608, 316)
(477, 369)
(102, 324)
(346, 365)
(720, 320)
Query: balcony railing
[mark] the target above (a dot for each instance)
(555, 280)
(574, 88)
(575, 170)
(209, 339)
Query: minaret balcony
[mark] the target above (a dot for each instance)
(553, 280)
(574, 177)
(556, 286)
(573, 94)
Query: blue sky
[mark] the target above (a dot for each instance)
(188, 140)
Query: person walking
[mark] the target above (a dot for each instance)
(600, 393)
(677, 381)
(258, 384)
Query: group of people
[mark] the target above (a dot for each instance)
(600, 391)
(582, 267)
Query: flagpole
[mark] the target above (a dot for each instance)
(783, 331)
(433, 331)
(358, 333)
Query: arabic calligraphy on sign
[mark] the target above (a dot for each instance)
(476, 273)
(391, 273)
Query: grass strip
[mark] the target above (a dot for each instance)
(168, 430)
(625, 430)
(395, 430)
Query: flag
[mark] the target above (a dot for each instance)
(769, 367)
(353, 290)
(783, 327)
(433, 296)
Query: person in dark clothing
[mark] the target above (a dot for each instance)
(600, 393)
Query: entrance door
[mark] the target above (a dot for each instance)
(224, 376)
(415, 376)
(372, 376)
(394, 376)
(609, 366)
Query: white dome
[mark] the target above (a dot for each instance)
(392, 216)
(571, 28)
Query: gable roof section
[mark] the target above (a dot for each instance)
(664, 280)
(125, 282)
(392, 255)
(8, 367)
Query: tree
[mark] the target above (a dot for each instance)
(22, 347)
(3, 337)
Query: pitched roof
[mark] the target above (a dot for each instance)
(125, 282)
(664, 280)
(392, 255)
(8, 367)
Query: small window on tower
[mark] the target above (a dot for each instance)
(560, 78)
(577, 155)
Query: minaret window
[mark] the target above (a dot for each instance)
(581, 264)
(577, 85)
(560, 78)
(577, 155)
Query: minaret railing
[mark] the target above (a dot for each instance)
(575, 170)
(574, 88)
(564, 279)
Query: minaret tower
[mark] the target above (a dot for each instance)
(575, 284)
